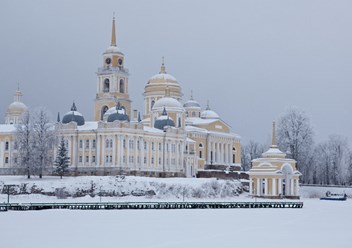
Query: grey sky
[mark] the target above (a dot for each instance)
(251, 59)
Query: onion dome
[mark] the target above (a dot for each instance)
(191, 103)
(209, 114)
(169, 103)
(17, 107)
(163, 121)
(74, 116)
(117, 113)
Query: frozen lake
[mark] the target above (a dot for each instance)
(319, 224)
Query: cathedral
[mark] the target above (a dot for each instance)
(169, 139)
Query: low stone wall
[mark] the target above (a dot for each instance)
(222, 175)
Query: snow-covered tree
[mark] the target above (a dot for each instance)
(44, 139)
(62, 160)
(24, 137)
(295, 136)
(250, 151)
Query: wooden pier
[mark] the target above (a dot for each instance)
(147, 205)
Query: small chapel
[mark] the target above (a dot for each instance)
(273, 175)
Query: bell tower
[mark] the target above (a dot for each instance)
(112, 83)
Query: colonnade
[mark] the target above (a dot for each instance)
(220, 153)
(273, 186)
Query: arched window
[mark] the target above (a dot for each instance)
(179, 122)
(200, 154)
(6, 145)
(122, 86)
(106, 85)
(152, 104)
(200, 145)
(103, 111)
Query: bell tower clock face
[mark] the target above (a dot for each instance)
(108, 61)
(120, 62)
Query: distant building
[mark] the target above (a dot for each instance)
(170, 140)
(273, 175)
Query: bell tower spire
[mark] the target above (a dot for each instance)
(113, 32)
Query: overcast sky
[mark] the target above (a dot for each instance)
(251, 59)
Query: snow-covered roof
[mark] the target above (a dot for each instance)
(17, 107)
(191, 104)
(74, 113)
(7, 128)
(89, 125)
(190, 140)
(164, 77)
(152, 130)
(199, 121)
(273, 152)
(209, 114)
(112, 49)
(164, 117)
(169, 103)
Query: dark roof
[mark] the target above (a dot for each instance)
(119, 115)
(74, 116)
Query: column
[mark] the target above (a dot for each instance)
(218, 153)
(266, 186)
(250, 186)
(213, 151)
(208, 151)
(280, 186)
(103, 149)
(273, 186)
(297, 187)
(258, 186)
(128, 152)
(114, 150)
(135, 160)
(292, 186)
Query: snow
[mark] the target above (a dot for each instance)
(89, 125)
(74, 113)
(322, 224)
(152, 130)
(168, 103)
(7, 128)
(17, 106)
(273, 152)
(209, 114)
(164, 76)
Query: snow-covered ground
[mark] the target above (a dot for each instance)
(318, 224)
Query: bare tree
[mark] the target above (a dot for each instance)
(250, 151)
(25, 141)
(44, 139)
(295, 135)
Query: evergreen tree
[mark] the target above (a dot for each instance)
(62, 161)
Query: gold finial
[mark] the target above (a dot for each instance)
(273, 141)
(113, 33)
(18, 94)
(162, 69)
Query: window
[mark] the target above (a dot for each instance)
(80, 143)
(193, 114)
(138, 145)
(106, 85)
(167, 147)
(124, 158)
(93, 144)
(200, 145)
(107, 143)
(130, 144)
(107, 159)
(145, 160)
(87, 143)
(6, 145)
(152, 104)
(152, 160)
(93, 159)
(200, 154)
(159, 146)
(122, 86)
(6, 160)
(110, 159)
(80, 159)
(87, 159)
(159, 160)
(153, 148)
(173, 148)
(111, 143)
(131, 159)
(145, 145)
(124, 143)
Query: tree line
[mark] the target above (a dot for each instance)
(328, 162)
